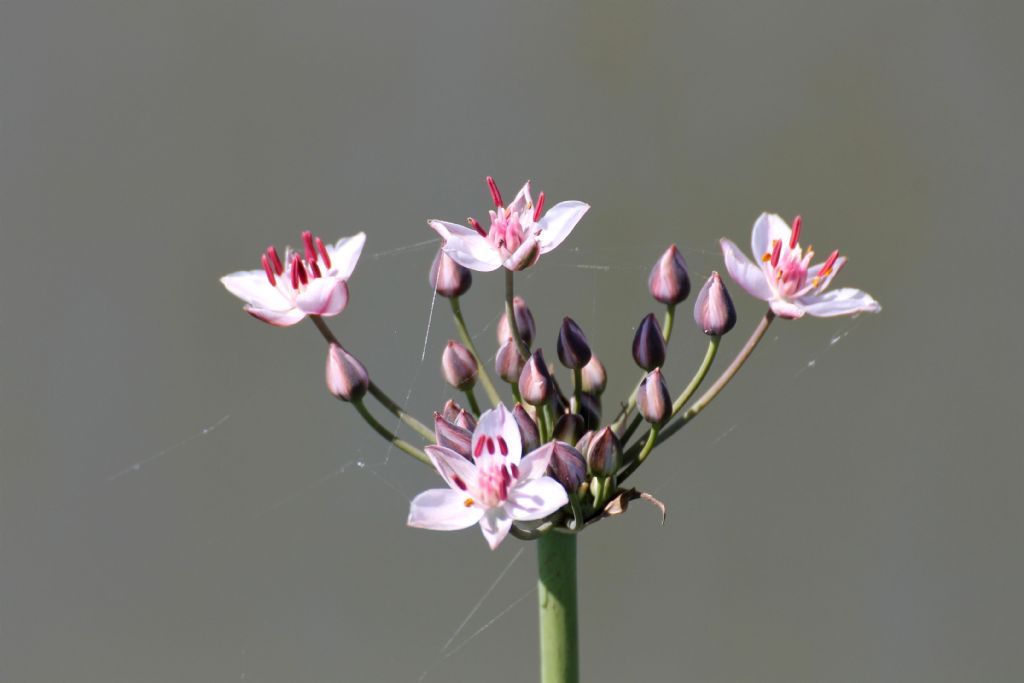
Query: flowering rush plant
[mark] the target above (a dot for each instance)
(548, 463)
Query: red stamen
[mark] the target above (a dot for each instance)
(303, 276)
(275, 259)
(457, 480)
(307, 241)
(269, 269)
(776, 252)
(495, 193)
(502, 446)
(490, 445)
(295, 271)
(479, 447)
(515, 470)
(323, 252)
(539, 207)
(314, 269)
(826, 267)
(475, 224)
(795, 237)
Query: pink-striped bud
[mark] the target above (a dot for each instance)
(604, 453)
(524, 321)
(527, 428)
(458, 366)
(669, 282)
(713, 311)
(652, 398)
(451, 410)
(346, 377)
(594, 377)
(567, 465)
(509, 363)
(466, 421)
(448, 278)
(535, 380)
(452, 436)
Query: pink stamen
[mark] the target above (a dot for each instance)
(776, 252)
(795, 237)
(495, 193)
(475, 224)
(457, 480)
(269, 269)
(303, 276)
(314, 269)
(502, 446)
(490, 445)
(275, 259)
(515, 470)
(295, 271)
(307, 241)
(479, 447)
(539, 207)
(826, 267)
(323, 252)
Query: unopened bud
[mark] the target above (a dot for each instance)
(713, 309)
(567, 465)
(573, 349)
(590, 410)
(535, 380)
(524, 321)
(509, 362)
(568, 427)
(604, 453)
(466, 421)
(594, 377)
(346, 377)
(451, 436)
(652, 398)
(451, 410)
(449, 278)
(527, 428)
(584, 443)
(458, 366)
(669, 282)
(649, 344)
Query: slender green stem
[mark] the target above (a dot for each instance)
(628, 434)
(515, 393)
(485, 379)
(702, 372)
(670, 315)
(652, 439)
(471, 398)
(510, 311)
(383, 431)
(377, 392)
(556, 592)
(577, 389)
(577, 511)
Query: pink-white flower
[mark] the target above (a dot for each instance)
(283, 293)
(493, 489)
(519, 234)
(784, 277)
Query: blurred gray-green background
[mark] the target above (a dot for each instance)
(180, 500)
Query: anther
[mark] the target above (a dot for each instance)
(776, 252)
(314, 269)
(479, 447)
(269, 269)
(468, 502)
(275, 260)
(307, 241)
(795, 237)
(515, 470)
(538, 208)
(502, 446)
(495, 193)
(323, 252)
(295, 271)
(475, 224)
(490, 445)
(457, 480)
(301, 269)
(826, 267)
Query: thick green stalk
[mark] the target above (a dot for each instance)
(383, 431)
(556, 590)
(510, 311)
(485, 379)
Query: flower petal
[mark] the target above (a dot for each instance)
(495, 524)
(535, 499)
(746, 274)
(323, 296)
(767, 228)
(525, 256)
(454, 468)
(252, 287)
(278, 318)
(558, 222)
(534, 465)
(845, 301)
(786, 309)
(467, 247)
(494, 425)
(523, 203)
(345, 254)
(443, 510)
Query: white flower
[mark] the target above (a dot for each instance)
(284, 293)
(784, 277)
(519, 234)
(494, 489)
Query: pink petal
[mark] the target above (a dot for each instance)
(522, 201)
(786, 309)
(744, 272)
(467, 247)
(536, 499)
(278, 318)
(345, 254)
(253, 287)
(768, 227)
(525, 256)
(495, 524)
(534, 465)
(443, 510)
(323, 296)
(558, 222)
(498, 424)
(845, 301)
(453, 468)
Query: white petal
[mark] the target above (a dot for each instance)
(345, 254)
(786, 309)
(444, 510)
(450, 465)
(846, 301)
(323, 296)
(253, 287)
(746, 274)
(467, 247)
(534, 465)
(278, 318)
(536, 499)
(768, 227)
(523, 203)
(525, 256)
(558, 222)
(495, 524)
(494, 425)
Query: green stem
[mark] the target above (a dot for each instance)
(471, 398)
(510, 311)
(652, 439)
(628, 434)
(702, 372)
(383, 431)
(515, 393)
(666, 328)
(577, 389)
(556, 592)
(485, 379)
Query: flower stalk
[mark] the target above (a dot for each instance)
(556, 593)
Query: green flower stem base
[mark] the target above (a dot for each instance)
(556, 590)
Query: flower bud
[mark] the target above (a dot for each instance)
(594, 377)
(509, 362)
(604, 453)
(568, 428)
(466, 421)
(451, 436)
(567, 465)
(535, 380)
(573, 349)
(451, 410)
(527, 428)
(347, 379)
(447, 277)
(524, 321)
(669, 282)
(652, 398)
(649, 344)
(584, 442)
(458, 366)
(713, 309)
(590, 410)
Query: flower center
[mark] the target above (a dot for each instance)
(787, 266)
(494, 475)
(300, 270)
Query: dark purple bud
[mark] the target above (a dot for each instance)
(713, 310)
(652, 398)
(572, 346)
(604, 453)
(567, 465)
(509, 362)
(669, 282)
(458, 365)
(594, 377)
(524, 320)
(527, 428)
(451, 436)
(451, 410)
(535, 380)
(466, 421)
(590, 410)
(649, 344)
(347, 378)
(447, 277)
(568, 427)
